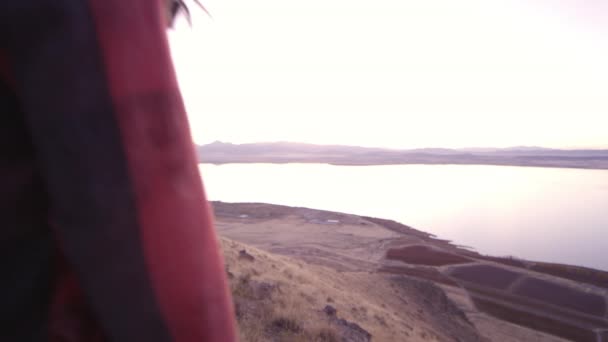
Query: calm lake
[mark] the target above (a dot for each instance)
(557, 215)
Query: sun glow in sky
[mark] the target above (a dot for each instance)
(397, 73)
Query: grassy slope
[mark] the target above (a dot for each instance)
(281, 299)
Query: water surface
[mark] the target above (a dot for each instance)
(558, 215)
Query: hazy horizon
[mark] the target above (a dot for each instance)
(396, 73)
(426, 147)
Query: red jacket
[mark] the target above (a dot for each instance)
(97, 168)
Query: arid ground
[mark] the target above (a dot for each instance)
(299, 274)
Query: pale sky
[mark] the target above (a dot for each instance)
(397, 73)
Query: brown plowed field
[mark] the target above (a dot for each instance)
(537, 322)
(423, 255)
(576, 273)
(425, 273)
(562, 296)
(486, 275)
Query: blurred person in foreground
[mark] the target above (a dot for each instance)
(105, 231)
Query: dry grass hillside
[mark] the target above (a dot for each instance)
(278, 298)
(300, 274)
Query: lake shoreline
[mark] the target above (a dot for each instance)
(562, 300)
(532, 213)
(229, 209)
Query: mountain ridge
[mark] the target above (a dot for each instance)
(292, 152)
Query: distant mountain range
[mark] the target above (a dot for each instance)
(288, 152)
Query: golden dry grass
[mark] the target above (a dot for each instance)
(310, 264)
(293, 311)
